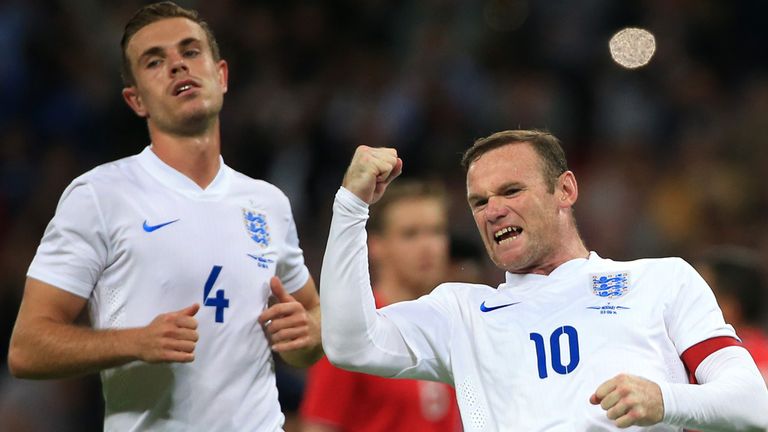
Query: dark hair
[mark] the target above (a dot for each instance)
(738, 272)
(401, 190)
(546, 145)
(156, 12)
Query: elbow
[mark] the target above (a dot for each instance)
(22, 361)
(17, 364)
(345, 362)
(349, 359)
(339, 356)
(334, 355)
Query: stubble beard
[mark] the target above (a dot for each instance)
(529, 258)
(196, 122)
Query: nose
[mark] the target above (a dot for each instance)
(495, 209)
(178, 66)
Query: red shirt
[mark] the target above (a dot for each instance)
(755, 340)
(357, 402)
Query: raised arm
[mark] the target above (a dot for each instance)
(46, 342)
(355, 336)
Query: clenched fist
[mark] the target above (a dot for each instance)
(371, 171)
(630, 400)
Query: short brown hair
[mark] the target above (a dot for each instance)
(546, 145)
(156, 12)
(401, 190)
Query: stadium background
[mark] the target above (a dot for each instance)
(670, 157)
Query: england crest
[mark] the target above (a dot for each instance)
(256, 226)
(610, 285)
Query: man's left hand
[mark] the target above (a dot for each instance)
(630, 400)
(288, 326)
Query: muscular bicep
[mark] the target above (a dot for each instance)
(44, 308)
(47, 302)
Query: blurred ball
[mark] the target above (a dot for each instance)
(632, 47)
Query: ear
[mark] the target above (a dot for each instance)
(567, 189)
(223, 68)
(133, 99)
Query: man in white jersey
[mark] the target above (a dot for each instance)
(176, 256)
(569, 342)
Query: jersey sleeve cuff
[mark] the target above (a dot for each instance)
(69, 285)
(351, 203)
(296, 281)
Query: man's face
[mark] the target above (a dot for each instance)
(413, 243)
(515, 212)
(178, 86)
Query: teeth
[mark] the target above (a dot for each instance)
(501, 232)
(183, 88)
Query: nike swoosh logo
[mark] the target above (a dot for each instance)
(150, 228)
(484, 308)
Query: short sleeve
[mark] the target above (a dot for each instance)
(73, 251)
(291, 270)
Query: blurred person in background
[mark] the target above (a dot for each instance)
(570, 340)
(737, 277)
(409, 252)
(175, 255)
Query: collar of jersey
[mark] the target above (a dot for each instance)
(564, 270)
(173, 179)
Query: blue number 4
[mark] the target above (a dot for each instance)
(554, 346)
(219, 302)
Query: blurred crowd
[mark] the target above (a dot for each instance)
(669, 157)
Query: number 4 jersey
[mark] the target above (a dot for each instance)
(139, 239)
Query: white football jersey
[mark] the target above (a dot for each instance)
(528, 355)
(138, 239)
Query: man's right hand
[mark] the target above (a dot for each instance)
(170, 337)
(371, 171)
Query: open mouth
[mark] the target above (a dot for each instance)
(184, 87)
(507, 234)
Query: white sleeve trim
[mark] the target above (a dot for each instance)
(732, 395)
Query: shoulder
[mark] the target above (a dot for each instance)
(668, 276)
(123, 170)
(263, 188)
(104, 178)
(663, 264)
(459, 292)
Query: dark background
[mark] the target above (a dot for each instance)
(670, 157)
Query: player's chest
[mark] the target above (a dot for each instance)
(184, 239)
(156, 225)
(561, 333)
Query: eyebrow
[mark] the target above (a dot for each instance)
(501, 189)
(158, 51)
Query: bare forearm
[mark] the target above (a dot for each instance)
(306, 357)
(47, 349)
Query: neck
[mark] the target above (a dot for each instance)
(571, 251)
(196, 156)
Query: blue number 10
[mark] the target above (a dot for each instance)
(554, 346)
